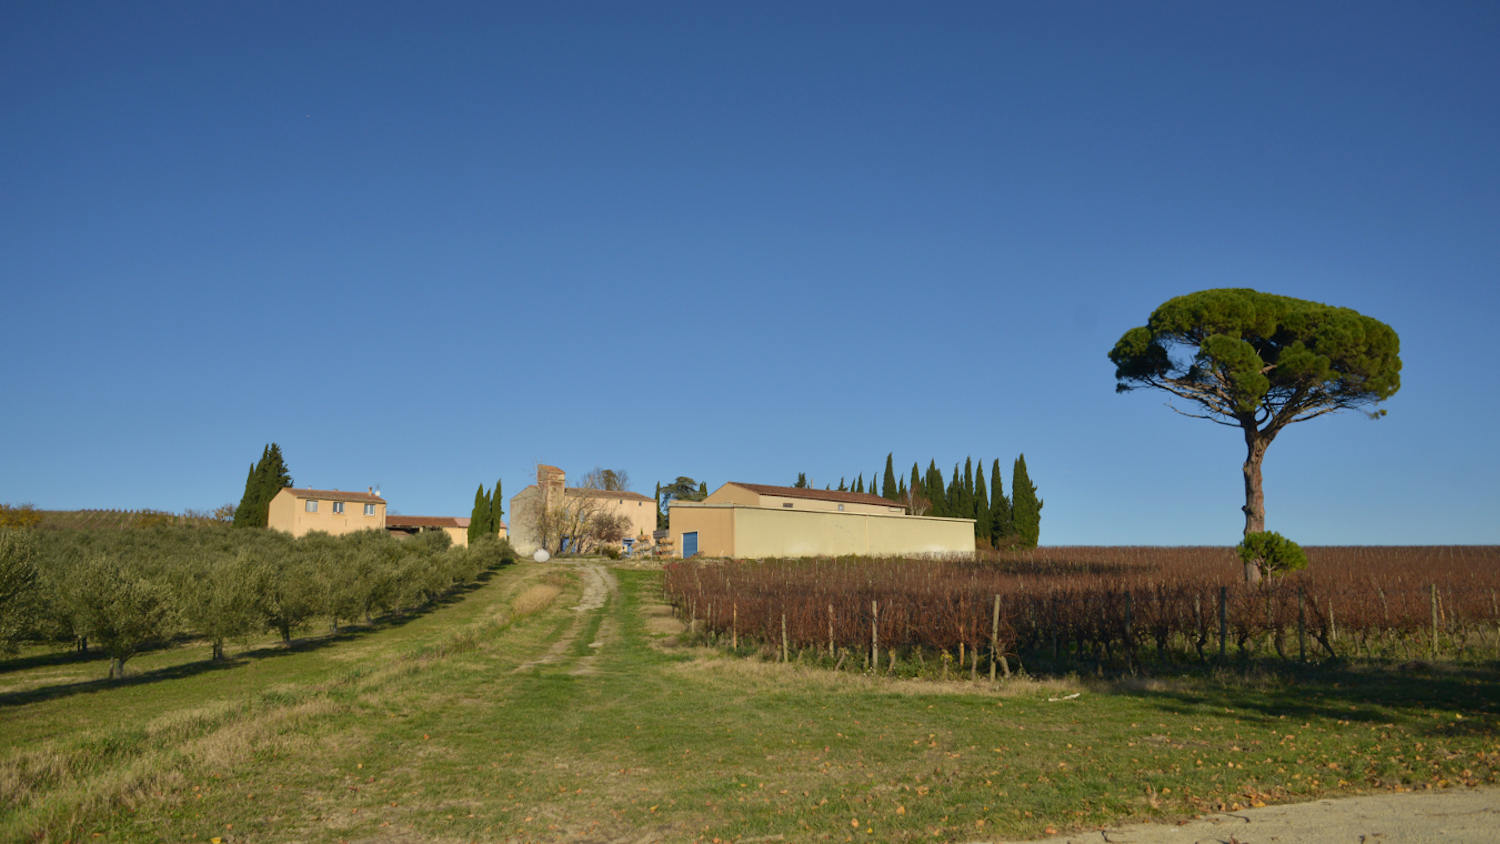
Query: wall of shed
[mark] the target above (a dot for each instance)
(731, 530)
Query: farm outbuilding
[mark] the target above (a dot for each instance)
(756, 520)
(457, 527)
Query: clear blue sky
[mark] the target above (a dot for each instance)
(426, 245)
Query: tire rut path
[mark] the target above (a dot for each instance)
(599, 585)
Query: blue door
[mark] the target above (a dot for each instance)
(689, 544)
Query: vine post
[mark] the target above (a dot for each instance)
(783, 637)
(994, 637)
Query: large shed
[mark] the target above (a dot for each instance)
(757, 520)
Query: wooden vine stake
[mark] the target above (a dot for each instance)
(994, 637)
(1301, 626)
(1433, 590)
(830, 630)
(734, 626)
(1223, 621)
(783, 637)
(874, 635)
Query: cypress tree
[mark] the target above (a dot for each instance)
(479, 517)
(958, 505)
(801, 481)
(982, 526)
(1000, 520)
(843, 487)
(702, 490)
(888, 489)
(969, 487)
(1026, 508)
(859, 483)
(661, 518)
(265, 480)
(901, 490)
(497, 510)
(244, 513)
(935, 489)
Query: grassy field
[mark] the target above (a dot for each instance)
(509, 715)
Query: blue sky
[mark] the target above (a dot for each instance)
(428, 245)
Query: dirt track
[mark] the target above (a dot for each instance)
(1453, 815)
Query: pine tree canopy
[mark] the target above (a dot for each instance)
(1258, 362)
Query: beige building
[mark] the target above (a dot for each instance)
(756, 520)
(553, 510)
(457, 527)
(302, 511)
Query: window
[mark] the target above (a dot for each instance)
(311, 506)
(338, 506)
(786, 503)
(841, 508)
(369, 509)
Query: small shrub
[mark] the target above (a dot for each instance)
(1275, 553)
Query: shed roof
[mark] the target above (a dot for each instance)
(426, 521)
(820, 494)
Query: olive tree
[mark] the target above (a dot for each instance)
(1259, 362)
(18, 579)
(122, 609)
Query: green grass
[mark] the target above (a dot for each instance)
(428, 730)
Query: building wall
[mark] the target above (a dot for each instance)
(732, 530)
(523, 510)
(289, 513)
(525, 505)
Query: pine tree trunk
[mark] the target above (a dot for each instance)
(1255, 499)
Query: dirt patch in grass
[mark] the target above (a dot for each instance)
(661, 624)
(534, 599)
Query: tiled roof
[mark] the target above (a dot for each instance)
(426, 521)
(336, 495)
(820, 494)
(605, 493)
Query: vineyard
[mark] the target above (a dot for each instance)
(1058, 610)
(116, 519)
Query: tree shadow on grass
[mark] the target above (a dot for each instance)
(1425, 696)
(347, 633)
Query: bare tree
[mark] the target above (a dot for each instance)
(916, 503)
(583, 521)
(614, 480)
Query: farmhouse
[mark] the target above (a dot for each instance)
(756, 520)
(457, 527)
(302, 511)
(564, 509)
